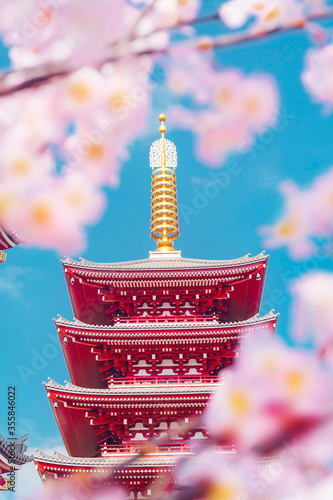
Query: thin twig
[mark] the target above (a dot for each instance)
(182, 24)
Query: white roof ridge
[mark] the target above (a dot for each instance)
(158, 459)
(166, 326)
(164, 263)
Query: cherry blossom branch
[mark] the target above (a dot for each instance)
(238, 38)
(225, 40)
(199, 43)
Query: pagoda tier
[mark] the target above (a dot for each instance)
(136, 477)
(166, 288)
(88, 418)
(95, 354)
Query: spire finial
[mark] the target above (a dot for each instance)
(164, 207)
(162, 118)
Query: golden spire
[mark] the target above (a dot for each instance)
(164, 208)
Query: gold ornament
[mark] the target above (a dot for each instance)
(164, 207)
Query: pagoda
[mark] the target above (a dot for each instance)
(12, 458)
(145, 348)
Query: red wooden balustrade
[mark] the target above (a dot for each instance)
(177, 447)
(166, 319)
(165, 379)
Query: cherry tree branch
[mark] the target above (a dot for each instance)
(15, 81)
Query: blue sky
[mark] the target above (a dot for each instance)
(32, 286)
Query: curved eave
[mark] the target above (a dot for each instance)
(61, 461)
(80, 328)
(5, 466)
(58, 461)
(6, 458)
(163, 264)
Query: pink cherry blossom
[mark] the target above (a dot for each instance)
(55, 216)
(105, 110)
(293, 229)
(216, 138)
(77, 486)
(81, 91)
(258, 102)
(211, 475)
(83, 122)
(313, 312)
(318, 75)
(270, 392)
(241, 106)
(308, 214)
(93, 154)
(23, 167)
(268, 14)
(62, 30)
(167, 13)
(190, 73)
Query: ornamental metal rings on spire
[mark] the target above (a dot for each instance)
(156, 151)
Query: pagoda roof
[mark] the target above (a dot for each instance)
(6, 452)
(165, 263)
(81, 343)
(92, 287)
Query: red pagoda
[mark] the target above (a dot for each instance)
(143, 352)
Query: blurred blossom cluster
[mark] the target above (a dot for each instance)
(65, 138)
(79, 487)
(230, 108)
(313, 311)
(93, 72)
(307, 217)
(268, 14)
(276, 407)
(317, 75)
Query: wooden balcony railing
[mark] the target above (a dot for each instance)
(188, 319)
(165, 379)
(172, 448)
